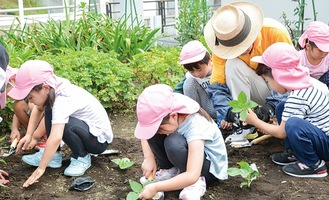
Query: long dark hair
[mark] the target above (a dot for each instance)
(51, 96)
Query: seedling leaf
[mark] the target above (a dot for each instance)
(132, 196)
(123, 163)
(135, 186)
(246, 171)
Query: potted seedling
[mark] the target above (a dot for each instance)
(123, 163)
(137, 189)
(246, 171)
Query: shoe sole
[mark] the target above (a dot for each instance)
(51, 166)
(319, 175)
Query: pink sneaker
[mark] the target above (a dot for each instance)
(161, 175)
(195, 191)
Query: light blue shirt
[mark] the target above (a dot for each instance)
(197, 127)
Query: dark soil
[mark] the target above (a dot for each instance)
(112, 183)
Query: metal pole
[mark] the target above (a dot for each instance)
(176, 14)
(21, 13)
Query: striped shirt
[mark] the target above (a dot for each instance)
(309, 104)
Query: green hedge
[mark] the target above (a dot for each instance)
(116, 85)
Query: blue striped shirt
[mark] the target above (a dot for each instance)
(309, 104)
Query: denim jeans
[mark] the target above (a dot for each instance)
(172, 150)
(309, 143)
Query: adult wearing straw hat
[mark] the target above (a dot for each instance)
(236, 33)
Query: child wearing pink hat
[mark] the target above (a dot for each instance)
(71, 114)
(22, 111)
(179, 138)
(303, 118)
(314, 55)
(197, 61)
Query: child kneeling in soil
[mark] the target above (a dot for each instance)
(71, 114)
(303, 117)
(22, 112)
(182, 139)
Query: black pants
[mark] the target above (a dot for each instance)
(77, 136)
(172, 150)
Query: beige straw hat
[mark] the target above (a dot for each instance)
(233, 28)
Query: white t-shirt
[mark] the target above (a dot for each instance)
(197, 127)
(73, 101)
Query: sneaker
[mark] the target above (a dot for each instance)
(299, 169)
(284, 158)
(34, 159)
(78, 166)
(161, 175)
(40, 145)
(195, 191)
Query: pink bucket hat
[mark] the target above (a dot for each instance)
(284, 60)
(30, 74)
(155, 103)
(192, 52)
(10, 72)
(317, 32)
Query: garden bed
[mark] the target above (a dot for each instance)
(112, 183)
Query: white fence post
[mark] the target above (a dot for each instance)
(21, 13)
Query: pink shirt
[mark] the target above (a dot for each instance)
(316, 71)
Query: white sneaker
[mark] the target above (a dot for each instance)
(195, 191)
(161, 175)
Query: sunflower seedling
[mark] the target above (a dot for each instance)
(123, 163)
(241, 105)
(248, 172)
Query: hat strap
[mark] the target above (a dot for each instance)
(242, 35)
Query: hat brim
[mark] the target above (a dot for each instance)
(256, 16)
(182, 104)
(257, 59)
(194, 59)
(146, 132)
(19, 94)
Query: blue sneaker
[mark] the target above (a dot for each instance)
(78, 166)
(34, 159)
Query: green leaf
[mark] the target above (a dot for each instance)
(251, 104)
(243, 115)
(135, 186)
(233, 171)
(242, 98)
(132, 196)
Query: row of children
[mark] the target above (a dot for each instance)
(250, 53)
(178, 132)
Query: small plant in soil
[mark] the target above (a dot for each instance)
(248, 172)
(241, 105)
(123, 163)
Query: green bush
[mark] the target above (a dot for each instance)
(115, 84)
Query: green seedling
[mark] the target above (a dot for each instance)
(124, 163)
(136, 190)
(241, 105)
(248, 172)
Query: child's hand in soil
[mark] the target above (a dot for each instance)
(23, 144)
(2, 178)
(34, 177)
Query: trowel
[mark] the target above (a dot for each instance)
(11, 149)
(245, 142)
